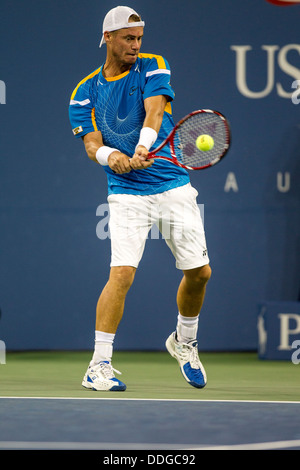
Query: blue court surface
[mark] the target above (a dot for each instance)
(142, 424)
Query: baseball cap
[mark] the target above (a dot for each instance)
(117, 18)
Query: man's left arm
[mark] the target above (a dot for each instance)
(154, 108)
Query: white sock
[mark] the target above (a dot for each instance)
(103, 347)
(187, 328)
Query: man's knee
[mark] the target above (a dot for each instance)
(199, 275)
(123, 276)
(205, 273)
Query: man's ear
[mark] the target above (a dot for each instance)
(107, 36)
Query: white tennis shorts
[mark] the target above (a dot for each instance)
(174, 212)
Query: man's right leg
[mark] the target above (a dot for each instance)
(131, 218)
(109, 313)
(110, 306)
(111, 302)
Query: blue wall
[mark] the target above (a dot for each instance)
(53, 266)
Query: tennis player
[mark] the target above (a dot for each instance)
(121, 111)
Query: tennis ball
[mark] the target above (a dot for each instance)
(204, 142)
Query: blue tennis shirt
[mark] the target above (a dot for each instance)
(115, 106)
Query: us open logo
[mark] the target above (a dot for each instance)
(276, 59)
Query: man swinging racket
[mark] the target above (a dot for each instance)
(120, 111)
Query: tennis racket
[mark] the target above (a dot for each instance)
(182, 140)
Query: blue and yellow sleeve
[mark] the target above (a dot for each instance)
(81, 110)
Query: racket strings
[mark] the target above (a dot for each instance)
(186, 135)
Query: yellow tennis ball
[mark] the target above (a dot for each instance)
(205, 142)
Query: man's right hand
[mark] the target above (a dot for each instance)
(119, 163)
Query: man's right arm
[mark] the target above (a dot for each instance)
(117, 161)
(92, 142)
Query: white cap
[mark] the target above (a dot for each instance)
(117, 18)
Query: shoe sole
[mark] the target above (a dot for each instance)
(115, 388)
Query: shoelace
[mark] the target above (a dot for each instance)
(195, 361)
(107, 369)
(189, 352)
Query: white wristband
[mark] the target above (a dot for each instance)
(148, 137)
(103, 153)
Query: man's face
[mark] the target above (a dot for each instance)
(125, 44)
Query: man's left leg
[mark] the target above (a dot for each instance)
(182, 344)
(191, 291)
(186, 239)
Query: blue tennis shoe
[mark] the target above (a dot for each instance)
(187, 357)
